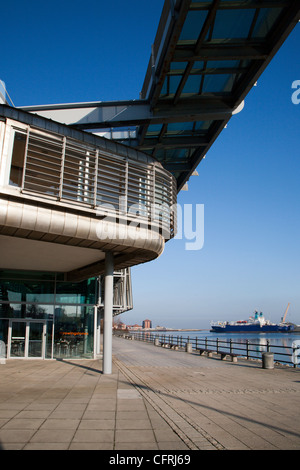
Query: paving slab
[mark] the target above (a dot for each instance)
(214, 404)
(155, 399)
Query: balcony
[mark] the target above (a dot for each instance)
(67, 197)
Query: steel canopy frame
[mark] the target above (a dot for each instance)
(206, 57)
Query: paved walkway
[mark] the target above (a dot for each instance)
(155, 399)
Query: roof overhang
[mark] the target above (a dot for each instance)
(205, 59)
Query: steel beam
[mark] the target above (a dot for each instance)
(132, 113)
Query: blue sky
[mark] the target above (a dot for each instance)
(64, 51)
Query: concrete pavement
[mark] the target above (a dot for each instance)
(155, 399)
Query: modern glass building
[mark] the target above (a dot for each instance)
(69, 203)
(41, 316)
(44, 317)
(78, 210)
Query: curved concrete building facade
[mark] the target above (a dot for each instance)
(65, 187)
(73, 206)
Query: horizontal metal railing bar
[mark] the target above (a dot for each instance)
(44, 145)
(144, 175)
(44, 151)
(46, 192)
(83, 197)
(77, 196)
(42, 163)
(139, 186)
(107, 161)
(63, 169)
(132, 201)
(135, 197)
(110, 185)
(39, 177)
(43, 157)
(75, 164)
(109, 194)
(79, 182)
(75, 150)
(42, 183)
(41, 168)
(72, 163)
(109, 172)
(113, 186)
(216, 345)
(39, 180)
(143, 178)
(45, 141)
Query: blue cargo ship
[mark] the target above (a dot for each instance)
(256, 324)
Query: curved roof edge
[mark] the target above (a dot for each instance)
(107, 145)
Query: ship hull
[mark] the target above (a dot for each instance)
(251, 329)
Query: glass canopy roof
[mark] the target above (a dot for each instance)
(206, 57)
(214, 54)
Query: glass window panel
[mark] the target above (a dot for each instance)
(265, 21)
(203, 125)
(17, 160)
(37, 311)
(170, 85)
(218, 83)
(35, 346)
(179, 128)
(176, 154)
(154, 129)
(193, 25)
(73, 331)
(198, 66)
(220, 64)
(18, 333)
(27, 291)
(17, 310)
(233, 23)
(178, 66)
(76, 292)
(192, 85)
(3, 329)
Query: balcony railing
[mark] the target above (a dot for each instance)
(58, 167)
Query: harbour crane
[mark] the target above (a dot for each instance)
(285, 313)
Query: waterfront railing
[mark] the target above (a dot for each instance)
(243, 348)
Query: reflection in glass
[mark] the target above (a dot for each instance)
(18, 334)
(17, 161)
(27, 291)
(35, 346)
(74, 330)
(76, 292)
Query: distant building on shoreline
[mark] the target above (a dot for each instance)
(147, 324)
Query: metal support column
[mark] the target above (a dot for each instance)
(108, 313)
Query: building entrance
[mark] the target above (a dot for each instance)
(26, 338)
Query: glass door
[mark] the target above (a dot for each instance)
(18, 339)
(36, 339)
(27, 339)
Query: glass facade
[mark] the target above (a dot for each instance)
(42, 316)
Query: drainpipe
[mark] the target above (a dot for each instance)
(108, 313)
